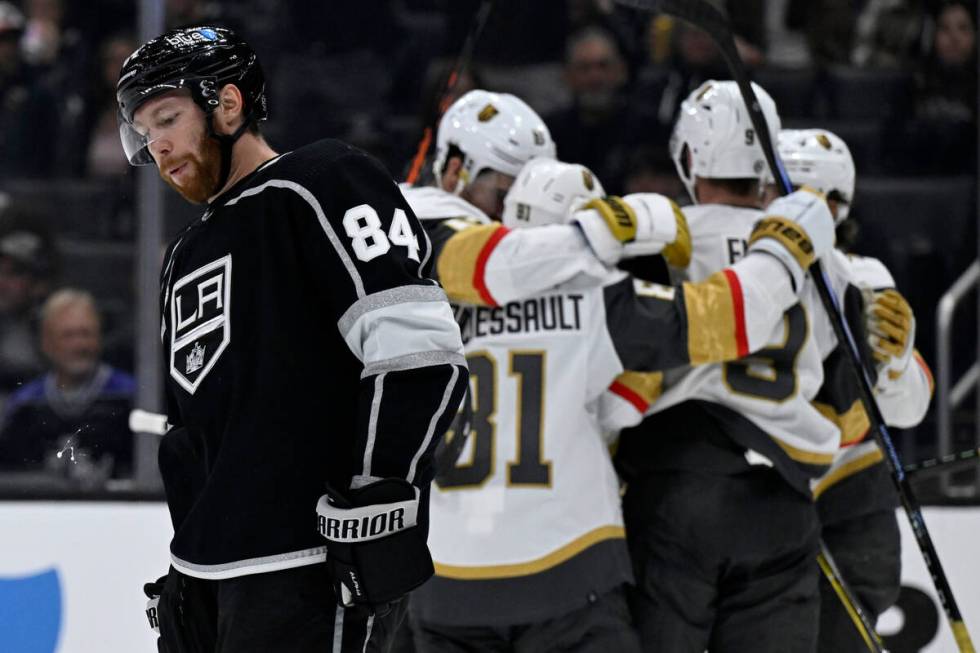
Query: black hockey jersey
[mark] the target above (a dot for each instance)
(304, 344)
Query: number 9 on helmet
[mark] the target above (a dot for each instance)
(714, 138)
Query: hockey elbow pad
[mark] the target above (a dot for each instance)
(376, 551)
(798, 229)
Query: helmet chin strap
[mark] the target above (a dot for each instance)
(227, 142)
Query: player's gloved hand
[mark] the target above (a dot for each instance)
(153, 591)
(669, 234)
(646, 224)
(891, 333)
(376, 552)
(798, 229)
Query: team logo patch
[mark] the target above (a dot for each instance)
(486, 113)
(588, 180)
(200, 322)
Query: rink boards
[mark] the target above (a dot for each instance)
(71, 577)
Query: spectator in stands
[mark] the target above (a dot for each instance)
(28, 263)
(103, 155)
(42, 40)
(597, 129)
(660, 89)
(948, 80)
(24, 150)
(886, 32)
(73, 421)
(941, 138)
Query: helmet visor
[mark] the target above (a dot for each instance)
(135, 145)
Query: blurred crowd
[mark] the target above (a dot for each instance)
(896, 78)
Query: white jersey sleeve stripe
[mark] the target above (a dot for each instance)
(372, 432)
(385, 298)
(443, 405)
(399, 330)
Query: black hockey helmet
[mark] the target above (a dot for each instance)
(200, 59)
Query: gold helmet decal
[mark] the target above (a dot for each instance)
(486, 113)
(588, 180)
(824, 141)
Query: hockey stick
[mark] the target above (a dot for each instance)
(862, 620)
(143, 421)
(943, 462)
(707, 17)
(439, 105)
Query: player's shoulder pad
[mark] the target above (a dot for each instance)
(431, 203)
(320, 166)
(317, 156)
(867, 272)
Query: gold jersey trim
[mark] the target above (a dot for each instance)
(459, 262)
(804, 456)
(848, 469)
(647, 386)
(853, 422)
(553, 559)
(678, 253)
(710, 320)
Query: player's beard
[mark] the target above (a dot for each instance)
(200, 181)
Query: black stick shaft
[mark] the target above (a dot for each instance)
(439, 103)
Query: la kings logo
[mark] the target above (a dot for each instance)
(200, 322)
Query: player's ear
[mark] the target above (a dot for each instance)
(228, 115)
(450, 175)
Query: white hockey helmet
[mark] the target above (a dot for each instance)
(495, 131)
(548, 191)
(819, 159)
(714, 128)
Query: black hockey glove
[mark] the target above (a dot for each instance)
(153, 591)
(376, 552)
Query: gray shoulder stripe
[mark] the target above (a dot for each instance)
(320, 216)
(414, 361)
(389, 297)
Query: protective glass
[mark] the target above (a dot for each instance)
(135, 144)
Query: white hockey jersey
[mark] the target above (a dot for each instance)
(532, 503)
(774, 388)
(528, 522)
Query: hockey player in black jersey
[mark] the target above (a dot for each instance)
(311, 367)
